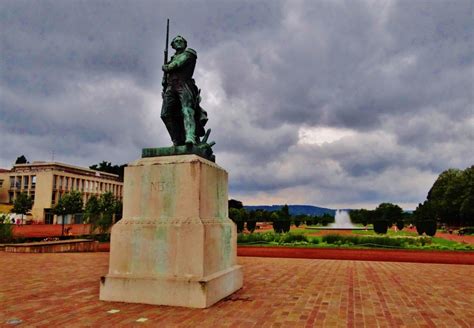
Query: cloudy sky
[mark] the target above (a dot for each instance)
(329, 103)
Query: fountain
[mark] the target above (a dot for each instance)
(342, 222)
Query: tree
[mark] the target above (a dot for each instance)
(233, 203)
(22, 204)
(21, 160)
(298, 219)
(450, 196)
(92, 210)
(101, 212)
(235, 215)
(326, 218)
(284, 219)
(105, 166)
(276, 222)
(467, 204)
(362, 216)
(386, 214)
(70, 203)
(6, 233)
(424, 219)
(118, 210)
(389, 212)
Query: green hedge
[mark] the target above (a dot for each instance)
(279, 238)
(375, 241)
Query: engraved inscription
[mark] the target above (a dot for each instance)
(157, 185)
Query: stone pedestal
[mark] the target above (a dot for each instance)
(175, 244)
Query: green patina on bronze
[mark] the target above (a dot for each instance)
(181, 111)
(202, 149)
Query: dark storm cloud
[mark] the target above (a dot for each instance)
(82, 79)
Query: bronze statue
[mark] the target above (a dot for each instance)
(181, 111)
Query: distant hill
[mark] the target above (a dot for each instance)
(294, 209)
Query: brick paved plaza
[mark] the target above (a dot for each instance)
(62, 290)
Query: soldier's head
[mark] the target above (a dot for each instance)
(179, 43)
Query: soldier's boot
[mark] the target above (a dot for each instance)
(173, 130)
(189, 126)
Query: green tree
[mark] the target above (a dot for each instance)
(298, 219)
(105, 166)
(22, 204)
(6, 233)
(236, 216)
(69, 203)
(21, 160)
(92, 210)
(326, 218)
(424, 219)
(446, 196)
(276, 222)
(362, 216)
(385, 215)
(118, 210)
(233, 203)
(108, 207)
(466, 209)
(451, 198)
(285, 218)
(389, 212)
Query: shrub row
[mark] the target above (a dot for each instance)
(270, 237)
(376, 241)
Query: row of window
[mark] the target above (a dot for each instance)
(71, 183)
(12, 195)
(56, 196)
(23, 182)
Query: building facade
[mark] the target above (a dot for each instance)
(47, 182)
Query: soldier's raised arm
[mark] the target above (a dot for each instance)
(180, 60)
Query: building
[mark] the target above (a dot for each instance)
(47, 182)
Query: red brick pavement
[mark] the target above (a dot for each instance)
(62, 290)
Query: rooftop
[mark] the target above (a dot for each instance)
(39, 165)
(49, 290)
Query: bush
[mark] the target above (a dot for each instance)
(6, 230)
(466, 231)
(288, 238)
(268, 237)
(375, 241)
(426, 226)
(251, 225)
(240, 226)
(420, 227)
(400, 225)
(256, 237)
(381, 226)
(430, 227)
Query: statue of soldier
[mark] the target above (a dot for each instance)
(183, 116)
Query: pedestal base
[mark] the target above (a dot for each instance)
(175, 244)
(174, 291)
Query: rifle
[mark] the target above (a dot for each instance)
(164, 83)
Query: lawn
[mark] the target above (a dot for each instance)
(359, 239)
